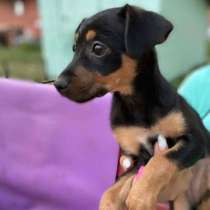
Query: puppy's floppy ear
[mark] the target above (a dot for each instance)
(143, 29)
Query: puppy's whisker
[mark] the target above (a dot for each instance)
(48, 82)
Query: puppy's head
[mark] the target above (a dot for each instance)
(107, 49)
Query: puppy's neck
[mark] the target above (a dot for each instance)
(152, 95)
(150, 86)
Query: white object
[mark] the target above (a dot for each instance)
(19, 7)
(126, 162)
(162, 143)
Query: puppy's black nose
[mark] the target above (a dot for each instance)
(61, 84)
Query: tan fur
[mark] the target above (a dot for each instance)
(90, 35)
(122, 78)
(171, 125)
(129, 138)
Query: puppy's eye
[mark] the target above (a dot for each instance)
(99, 49)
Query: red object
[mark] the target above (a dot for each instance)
(139, 173)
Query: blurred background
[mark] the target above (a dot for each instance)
(36, 36)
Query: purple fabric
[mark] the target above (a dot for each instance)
(54, 154)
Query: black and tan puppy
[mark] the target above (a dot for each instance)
(115, 52)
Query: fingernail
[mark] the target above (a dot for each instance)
(126, 163)
(139, 173)
(162, 143)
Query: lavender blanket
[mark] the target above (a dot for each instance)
(54, 154)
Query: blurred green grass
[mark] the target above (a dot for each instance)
(22, 62)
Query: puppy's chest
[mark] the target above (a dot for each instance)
(131, 137)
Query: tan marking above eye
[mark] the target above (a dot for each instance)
(130, 137)
(121, 79)
(90, 35)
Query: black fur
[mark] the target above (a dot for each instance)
(143, 30)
